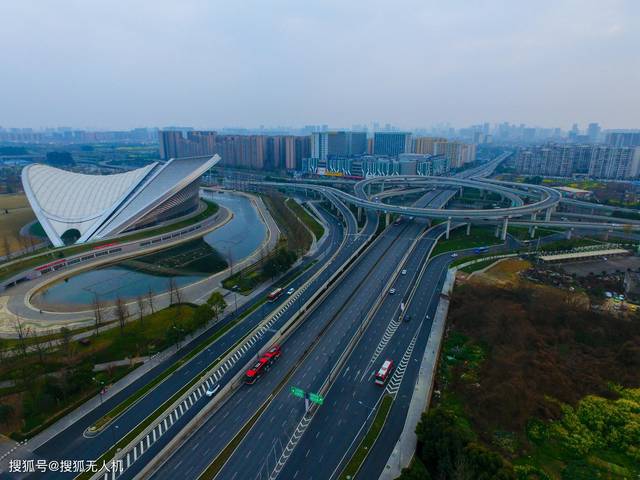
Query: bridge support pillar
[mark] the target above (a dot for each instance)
(498, 230)
(469, 228)
(387, 218)
(569, 233)
(368, 189)
(382, 186)
(446, 235)
(547, 216)
(606, 235)
(359, 214)
(505, 227)
(532, 228)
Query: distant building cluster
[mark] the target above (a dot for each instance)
(245, 151)
(597, 161)
(67, 135)
(336, 153)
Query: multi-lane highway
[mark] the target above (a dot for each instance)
(72, 444)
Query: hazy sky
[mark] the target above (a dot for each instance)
(122, 64)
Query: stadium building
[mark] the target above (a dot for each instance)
(78, 208)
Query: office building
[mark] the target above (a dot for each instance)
(391, 143)
(623, 138)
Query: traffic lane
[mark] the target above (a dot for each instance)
(260, 390)
(162, 441)
(382, 449)
(352, 398)
(316, 367)
(255, 394)
(77, 446)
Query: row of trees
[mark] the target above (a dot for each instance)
(447, 450)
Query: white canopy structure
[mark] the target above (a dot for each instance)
(93, 207)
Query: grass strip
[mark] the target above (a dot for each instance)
(479, 266)
(367, 442)
(309, 221)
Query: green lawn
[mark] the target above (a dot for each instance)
(459, 240)
(522, 233)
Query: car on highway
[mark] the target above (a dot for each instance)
(383, 374)
(211, 391)
(392, 291)
(403, 272)
(290, 291)
(407, 318)
(454, 255)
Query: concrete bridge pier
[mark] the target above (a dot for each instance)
(505, 227)
(387, 218)
(446, 236)
(368, 190)
(532, 228)
(359, 214)
(547, 216)
(469, 228)
(606, 235)
(569, 233)
(497, 230)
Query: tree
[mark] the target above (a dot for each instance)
(6, 245)
(65, 342)
(150, 295)
(122, 312)
(217, 303)
(22, 332)
(6, 412)
(172, 290)
(141, 304)
(97, 312)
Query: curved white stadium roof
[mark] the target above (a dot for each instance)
(100, 206)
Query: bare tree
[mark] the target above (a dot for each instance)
(122, 312)
(97, 312)
(178, 294)
(22, 333)
(141, 306)
(6, 245)
(172, 290)
(39, 346)
(65, 341)
(150, 295)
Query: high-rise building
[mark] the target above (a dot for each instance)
(456, 153)
(170, 142)
(597, 161)
(623, 138)
(391, 143)
(614, 162)
(593, 132)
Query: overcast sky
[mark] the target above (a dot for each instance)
(208, 64)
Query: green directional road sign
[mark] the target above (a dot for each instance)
(297, 392)
(316, 398)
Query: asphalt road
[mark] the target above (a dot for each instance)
(332, 324)
(286, 411)
(71, 444)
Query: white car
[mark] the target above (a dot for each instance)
(290, 291)
(454, 255)
(212, 391)
(392, 291)
(403, 272)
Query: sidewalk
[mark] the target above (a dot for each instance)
(406, 446)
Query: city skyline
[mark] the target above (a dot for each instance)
(412, 65)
